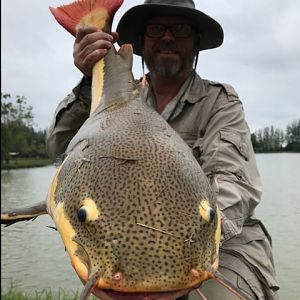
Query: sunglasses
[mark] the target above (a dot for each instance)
(177, 30)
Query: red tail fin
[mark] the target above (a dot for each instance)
(99, 13)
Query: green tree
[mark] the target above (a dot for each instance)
(270, 139)
(293, 136)
(16, 112)
(17, 129)
(278, 140)
(266, 139)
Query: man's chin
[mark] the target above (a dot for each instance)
(167, 70)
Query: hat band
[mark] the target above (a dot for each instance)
(183, 3)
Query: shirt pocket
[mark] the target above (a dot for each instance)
(237, 140)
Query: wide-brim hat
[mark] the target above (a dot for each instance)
(132, 24)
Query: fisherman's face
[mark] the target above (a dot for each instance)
(169, 52)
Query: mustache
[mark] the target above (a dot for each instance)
(166, 47)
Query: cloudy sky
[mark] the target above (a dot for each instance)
(260, 56)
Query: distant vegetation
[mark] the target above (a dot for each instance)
(19, 138)
(24, 146)
(270, 139)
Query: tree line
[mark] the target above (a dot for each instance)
(272, 139)
(20, 138)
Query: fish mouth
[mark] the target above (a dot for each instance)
(113, 289)
(102, 288)
(114, 295)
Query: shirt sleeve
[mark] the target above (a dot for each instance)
(69, 116)
(227, 157)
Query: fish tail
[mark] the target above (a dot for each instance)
(82, 13)
(98, 13)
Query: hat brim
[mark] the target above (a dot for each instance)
(131, 25)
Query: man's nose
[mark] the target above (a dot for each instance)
(168, 35)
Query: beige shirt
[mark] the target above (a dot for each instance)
(209, 117)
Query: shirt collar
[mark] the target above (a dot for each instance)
(196, 90)
(192, 90)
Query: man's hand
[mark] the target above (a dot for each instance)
(91, 44)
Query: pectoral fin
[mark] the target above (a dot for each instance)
(23, 214)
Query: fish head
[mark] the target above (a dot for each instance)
(131, 233)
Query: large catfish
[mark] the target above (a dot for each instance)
(134, 209)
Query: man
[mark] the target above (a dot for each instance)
(208, 116)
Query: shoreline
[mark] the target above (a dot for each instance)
(21, 162)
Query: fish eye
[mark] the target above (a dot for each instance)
(82, 214)
(206, 211)
(212, 214)
(87, 211)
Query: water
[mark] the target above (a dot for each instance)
(33, 255)
(280, 212)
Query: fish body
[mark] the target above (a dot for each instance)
(145, 189)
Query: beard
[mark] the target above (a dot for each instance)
(168, 67)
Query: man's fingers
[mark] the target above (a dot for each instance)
(115, 35)
(90, 60)
(91, 44)
(91, 34)
(83, 31)
(85, 58)
(91, 47)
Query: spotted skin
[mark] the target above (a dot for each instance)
(147, 188)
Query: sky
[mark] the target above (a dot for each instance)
(260, 56)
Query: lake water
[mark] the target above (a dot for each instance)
(33, 256)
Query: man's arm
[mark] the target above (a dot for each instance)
(227, 157)
(69, 116)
